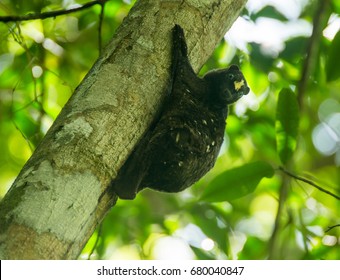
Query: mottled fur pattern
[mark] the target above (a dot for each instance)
(184, 143)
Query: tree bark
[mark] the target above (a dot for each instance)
(60, 195)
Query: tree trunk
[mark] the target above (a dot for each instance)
(60, 195)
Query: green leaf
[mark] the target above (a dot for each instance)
(336, 5)
(269, 12)
(202, 254)
(237, 182)
(261, 61)
(294, 49)
(286, 125)
(253, 249)
(332, 65)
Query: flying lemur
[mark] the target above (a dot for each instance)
(184, 143)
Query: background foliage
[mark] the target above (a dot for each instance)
(247, 207)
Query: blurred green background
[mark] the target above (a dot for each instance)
(245, 208)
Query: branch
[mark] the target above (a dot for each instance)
(273, 243)
(99, 233)
(51, 13)
(308, 182)
(313, 47)
(101, 17)
(330, 228)
(272, 247)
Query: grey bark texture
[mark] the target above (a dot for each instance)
(60, 195)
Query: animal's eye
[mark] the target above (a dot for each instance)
(230, 76)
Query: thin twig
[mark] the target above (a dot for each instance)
(309, 182)
(101, 17)
(51, 13)
(330, 228)
(272, 249)
(96, 242)
(313, 47)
